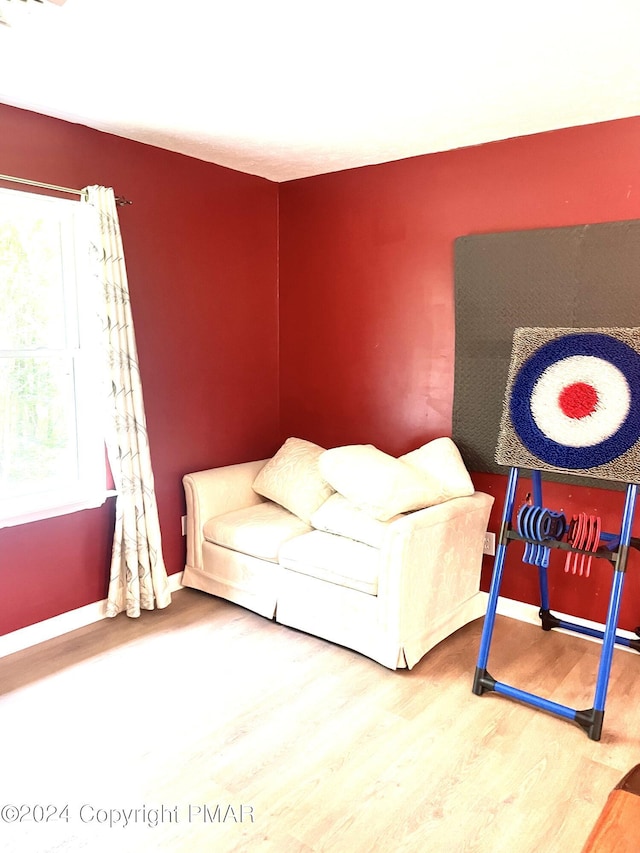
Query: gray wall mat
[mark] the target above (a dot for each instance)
(582, 276)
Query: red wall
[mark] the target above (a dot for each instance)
(201, 249)
(366, 300)
(366, 318)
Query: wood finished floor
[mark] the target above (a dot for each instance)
(206, 704)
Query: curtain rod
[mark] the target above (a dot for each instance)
(120, 200)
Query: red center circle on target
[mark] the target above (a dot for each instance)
(578, 400)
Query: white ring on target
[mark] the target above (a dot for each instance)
(612, 408)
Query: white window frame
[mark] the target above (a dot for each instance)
(82, 349)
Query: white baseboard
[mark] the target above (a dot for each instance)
(529, 613)
(24, 638)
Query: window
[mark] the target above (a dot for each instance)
(52, 457)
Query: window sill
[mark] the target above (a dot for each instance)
(25, 515)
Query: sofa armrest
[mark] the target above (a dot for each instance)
(213, 492)
(431, 561)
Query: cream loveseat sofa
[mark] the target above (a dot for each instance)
(378, 554)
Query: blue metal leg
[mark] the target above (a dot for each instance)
(536, 481)
(590, 720)
(613, 612)
(481, 680)
(608, 640)
(615, 600)
(544, 588)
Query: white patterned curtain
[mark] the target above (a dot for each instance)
(138, 578)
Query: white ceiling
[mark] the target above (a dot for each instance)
(291, 88)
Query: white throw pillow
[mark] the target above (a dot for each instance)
(292, 478)
(374, 481)
(340, 516)
(440, 461)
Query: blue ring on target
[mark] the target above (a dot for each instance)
(596, 344)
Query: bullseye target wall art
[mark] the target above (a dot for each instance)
(572, 403)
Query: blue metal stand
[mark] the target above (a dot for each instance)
(615, 551)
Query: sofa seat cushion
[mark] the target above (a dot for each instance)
(257, 530)
(332, 558)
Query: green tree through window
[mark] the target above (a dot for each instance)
(50, 447)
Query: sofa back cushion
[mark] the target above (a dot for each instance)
(440, 461)
(374, 481)
(292, 478)
(383, 486)
(338, 515)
